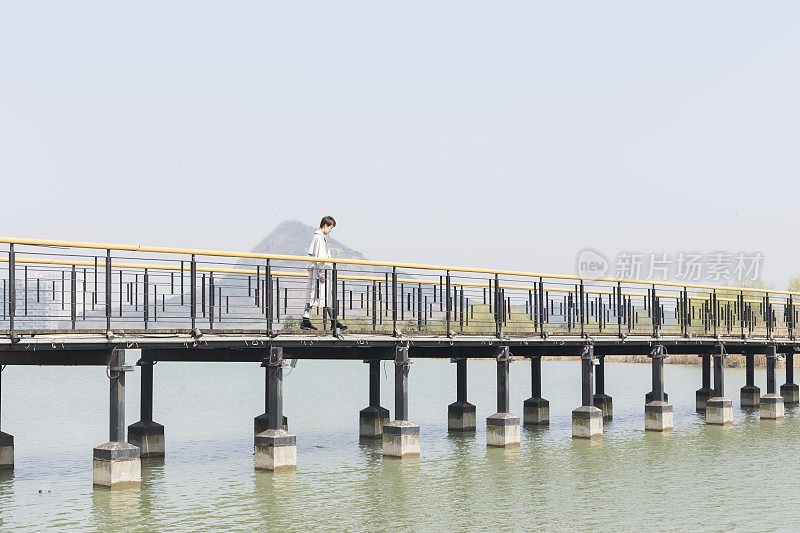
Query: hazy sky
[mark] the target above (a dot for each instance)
(505, 134)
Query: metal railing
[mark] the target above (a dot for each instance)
(72, 287)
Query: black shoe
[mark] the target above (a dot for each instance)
(306, 324)
(340, 326)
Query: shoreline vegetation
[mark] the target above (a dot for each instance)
(733, 361)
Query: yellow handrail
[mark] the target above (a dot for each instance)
(363, 262)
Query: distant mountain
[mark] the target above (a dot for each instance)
(291, 237)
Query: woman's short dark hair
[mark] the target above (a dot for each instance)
(327, 221)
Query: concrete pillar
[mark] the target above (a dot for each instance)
(789, 390)
(649, 397)
(401, 437)
(116, 463)
(502, 428)
(461, 413)
(145, 434)
(261, 422)
(771, 403)
(275, 448)
(658, 414)
(705, 392)
(371, 419)
(6, 440)
(602, 400)
(587, 420)
(749, 394)
(719, 409)
(536, 410)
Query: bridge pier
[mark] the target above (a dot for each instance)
(536, 410)
(461, 413)
(719, 410)
(6, 440)
(145, 434)
(789, 390)
(704, 392)
(275, 448)
(261, 422)
(371, 419)
(502, 428)
(771, 403)
(587, 420)
(116, 463)
(749, 394)
(650, 395)
(401, 437)
(658, 414)
(601, 400)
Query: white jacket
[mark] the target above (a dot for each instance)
(319, 248)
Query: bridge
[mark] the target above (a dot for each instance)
(81, 303)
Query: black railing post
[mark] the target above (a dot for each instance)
(108, 290)
(542, 309)
(73, 297)
(334, 298)
(715, 311)
(655, 312)
(12, 289)
(394, 301)
(448, 304)
(499, 312)
(193, 292)
(146, 307)
(620, 309)
(268, 296)
(582, 309)
(768, 315)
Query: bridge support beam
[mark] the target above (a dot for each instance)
(502, 428)
(587, 420)
(6, 440)
(749, 394)
(145, 434)
(461, 413)
(658, 414)
(275, 448)
(771, 403)
(536, 410)
(789, 390)
(602, 400)
(261, 422)
(116, 463)
(371, 419)
(401, 437)
(704, 392)
(719, 409)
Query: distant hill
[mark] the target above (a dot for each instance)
(291, 237)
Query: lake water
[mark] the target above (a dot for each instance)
(743, 477)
